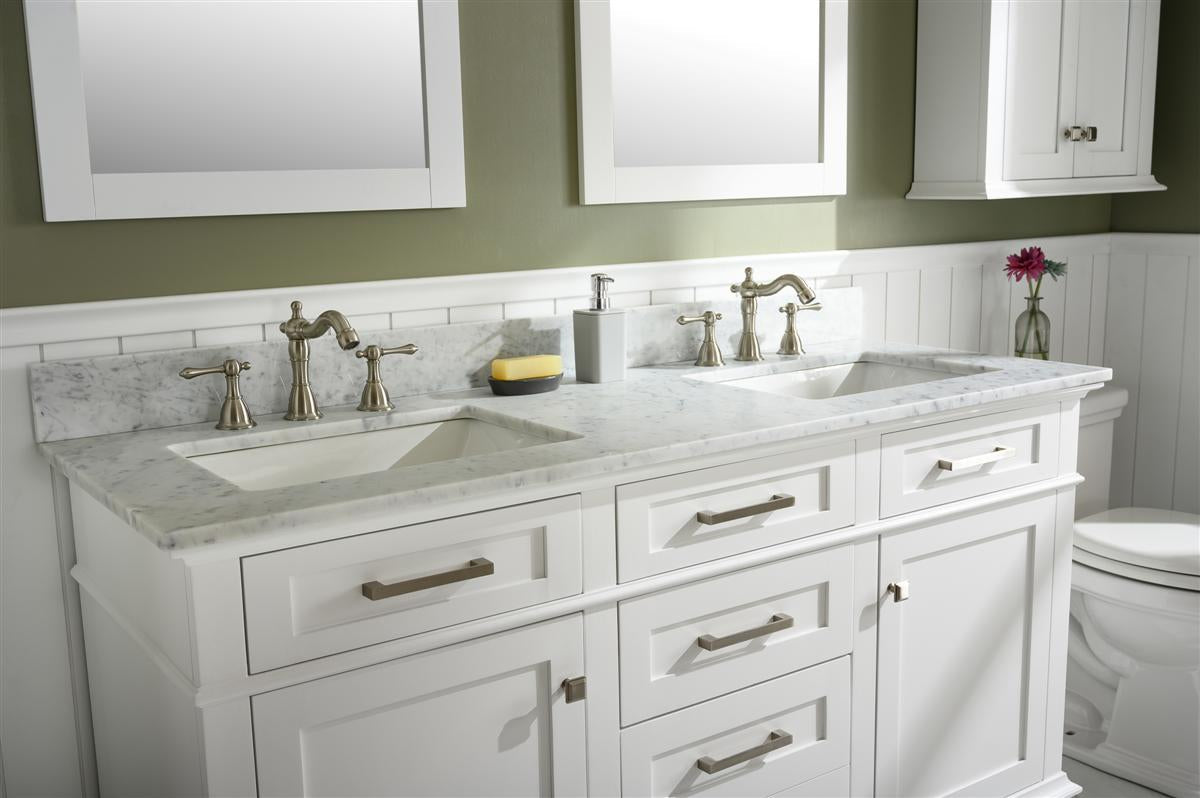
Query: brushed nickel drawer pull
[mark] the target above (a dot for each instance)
(777, 502)
(480, 566)
(994, 456)
(778, 739)
(778, 622)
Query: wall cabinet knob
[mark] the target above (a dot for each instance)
(899, 591)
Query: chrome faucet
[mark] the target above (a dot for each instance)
(750, 291)
(301, 404)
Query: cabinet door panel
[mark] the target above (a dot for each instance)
(1040, 91)
(1112, 44)
(962, 673)
(487, 717)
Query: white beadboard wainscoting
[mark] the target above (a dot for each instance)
(1127, 302)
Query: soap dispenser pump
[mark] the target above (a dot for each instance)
(600, 337)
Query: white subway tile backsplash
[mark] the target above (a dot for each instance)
(220, 336)
(529, 309)
(371, 322)
(567, 304)
(672, 296)
(477, 313)
(630, 299)
(420, 318)
(94, 347)
(713, 293)
(152, 342)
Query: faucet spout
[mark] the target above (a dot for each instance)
(750, 291)
(302, 405)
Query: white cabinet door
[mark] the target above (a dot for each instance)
(1040, 91)
(486, 717)
(962, 660)
(1112, 49)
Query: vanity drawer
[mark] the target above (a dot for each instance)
(672, 522)
(691, 643)
(322, 599)
(943, 463)
(800, 724)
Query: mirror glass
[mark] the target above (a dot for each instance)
(714, 82)
(253, 85)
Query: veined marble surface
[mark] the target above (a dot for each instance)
(657, 415)
(121, 393)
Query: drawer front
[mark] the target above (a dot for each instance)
(676, 521)
(834, 784)
(686, 645)
(759, 741)
(946, 462)
(312, 601)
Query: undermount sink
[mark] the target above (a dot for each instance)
(843, 379)
(298, 462)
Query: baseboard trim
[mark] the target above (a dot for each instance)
(1057, 786)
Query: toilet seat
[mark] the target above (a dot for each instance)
(1159, 547)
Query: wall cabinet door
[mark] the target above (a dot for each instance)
(1112, 49)
(1040, 91)
(486, 717)
(962, 660)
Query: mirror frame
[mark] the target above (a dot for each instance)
(601, 181)
(72, 192)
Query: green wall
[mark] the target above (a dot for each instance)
(1176, 132)
(522, 187)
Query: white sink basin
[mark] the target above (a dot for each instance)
(281, 464)
(844, 379)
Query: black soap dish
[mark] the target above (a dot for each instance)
(524, 387)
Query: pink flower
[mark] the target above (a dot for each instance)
(1030, 264)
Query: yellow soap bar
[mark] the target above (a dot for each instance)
(526, 368)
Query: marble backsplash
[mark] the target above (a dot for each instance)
(122, 393)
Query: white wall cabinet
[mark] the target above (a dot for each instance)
(778, 663)
(1058, 100)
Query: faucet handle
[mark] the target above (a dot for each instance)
(710, 352)
(375, 397)
(234, 413)
(708, 317)
(791, 343)
(374, 352)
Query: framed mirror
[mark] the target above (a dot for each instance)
(711, 99)
(153, 108)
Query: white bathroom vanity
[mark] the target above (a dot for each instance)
(664, 586)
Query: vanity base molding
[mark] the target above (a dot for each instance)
(763, 652)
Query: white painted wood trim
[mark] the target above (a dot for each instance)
(1015, 189)
(45, 324)
(72, 192)
(171, 194)
(603, 182)
(64, 160)
(443, 104)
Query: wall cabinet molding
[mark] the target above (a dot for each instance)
(1027, 98)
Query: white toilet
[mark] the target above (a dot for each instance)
(1133, 670)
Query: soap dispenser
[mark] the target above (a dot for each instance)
(600, 337)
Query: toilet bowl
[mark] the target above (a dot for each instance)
(1133, 661)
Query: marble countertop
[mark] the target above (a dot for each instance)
(656, 415)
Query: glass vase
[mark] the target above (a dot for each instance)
(1033, 331)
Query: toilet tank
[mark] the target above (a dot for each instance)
(1097, 413)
